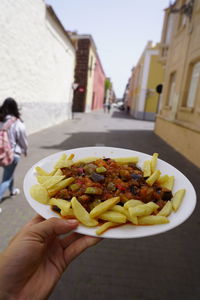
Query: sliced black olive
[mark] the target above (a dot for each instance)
(106, 159)
(56, 208)
(136, 176)
(97, 177)
(133, 189)
(167, 195)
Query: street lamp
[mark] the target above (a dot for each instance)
(159, 89)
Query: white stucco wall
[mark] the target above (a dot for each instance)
(139, 113)
(36, 63)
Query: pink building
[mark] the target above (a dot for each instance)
(98, 85)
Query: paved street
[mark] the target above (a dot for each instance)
(162, 267)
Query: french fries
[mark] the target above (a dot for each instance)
(153, 162)
(40, 171)
(126, 160)
(39, 193)
(103, 206)
(177, 199)
(52, 181)
(113, 211)
(162, 179)
(147, 168)
(113, 216)
(132, 203)
(62, 204)
(152, 220)
(81, 214)
(153, 177)
(166, 210)
(125, 212)
(60, 185)
(169, 183)
(143, 209)
(105, 227)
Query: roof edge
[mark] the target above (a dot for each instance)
(55, 17)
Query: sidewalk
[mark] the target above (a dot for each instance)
(154, 268)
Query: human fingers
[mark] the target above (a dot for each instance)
(79, 246)
(67, 240)
(53, 227)
(35, 220)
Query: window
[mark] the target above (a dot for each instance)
(171, 94)
(182, 16)
(169, 29)
(194, 82)
(183, 20)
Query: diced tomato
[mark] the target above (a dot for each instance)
(80, 181)
(120, 187)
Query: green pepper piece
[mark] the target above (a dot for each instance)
(101, 170)
(93, 190)
(75, 186)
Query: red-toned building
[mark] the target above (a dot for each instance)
(98, 86)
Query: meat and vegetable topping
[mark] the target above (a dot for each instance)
(105, 178)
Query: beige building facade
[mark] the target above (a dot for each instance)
(178, 122)
(142, 100)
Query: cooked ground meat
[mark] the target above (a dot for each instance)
(105, 178)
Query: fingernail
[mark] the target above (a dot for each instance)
(72, 221)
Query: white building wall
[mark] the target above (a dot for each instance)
(144, 80)
(36, 63)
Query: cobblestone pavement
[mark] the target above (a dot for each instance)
(153, 268)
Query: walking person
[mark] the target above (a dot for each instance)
(104, 107)
(108, 107)
(11, 122)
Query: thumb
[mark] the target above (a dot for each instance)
(53, 227)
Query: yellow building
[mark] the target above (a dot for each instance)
(142, 99)
(178, 122)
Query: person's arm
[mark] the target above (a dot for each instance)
(37, 256)
(22, 137)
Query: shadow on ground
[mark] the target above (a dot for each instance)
(120, 114)
(124, 115)
(162, 267)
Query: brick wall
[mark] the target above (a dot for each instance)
(81, 71)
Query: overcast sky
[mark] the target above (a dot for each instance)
(120, 29)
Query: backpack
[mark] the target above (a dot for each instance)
(6, 153)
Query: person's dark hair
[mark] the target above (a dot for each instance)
(9, 107)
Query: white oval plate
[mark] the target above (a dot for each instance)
(124, 231)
